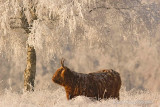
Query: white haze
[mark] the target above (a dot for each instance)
(91, 35)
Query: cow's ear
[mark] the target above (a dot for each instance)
(62, 62)
(62, 73)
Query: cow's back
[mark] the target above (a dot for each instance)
(108, 83)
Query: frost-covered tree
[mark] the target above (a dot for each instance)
(95, 34)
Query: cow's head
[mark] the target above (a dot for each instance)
(62, 74)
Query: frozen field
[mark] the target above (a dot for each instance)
(57, 98)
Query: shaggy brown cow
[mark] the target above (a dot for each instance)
(99, 85)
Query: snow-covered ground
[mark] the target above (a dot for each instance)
(57, 98)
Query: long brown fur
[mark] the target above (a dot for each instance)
(102, 84)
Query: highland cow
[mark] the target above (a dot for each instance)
(99, 85)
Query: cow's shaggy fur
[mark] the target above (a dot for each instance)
(99, 85)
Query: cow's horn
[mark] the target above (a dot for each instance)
(62, 62)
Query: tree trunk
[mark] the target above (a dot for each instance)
(30, 71)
